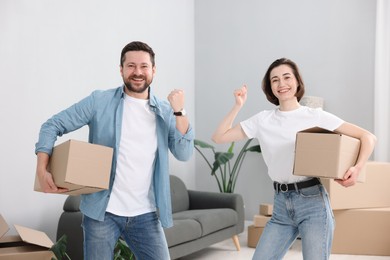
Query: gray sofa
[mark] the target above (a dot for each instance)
(200, 219)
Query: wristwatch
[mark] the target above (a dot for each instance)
(182, 112)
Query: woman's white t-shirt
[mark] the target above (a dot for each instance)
(276, 131)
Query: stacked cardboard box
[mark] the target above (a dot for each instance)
(362, 232)
(259, 222)
(362, 213)
(373, 193)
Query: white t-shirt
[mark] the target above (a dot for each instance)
(276, 131)
(132, 192)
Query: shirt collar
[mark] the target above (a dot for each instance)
(152, 100)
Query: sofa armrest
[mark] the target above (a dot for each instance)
(212, 200)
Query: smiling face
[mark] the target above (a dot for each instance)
(278, 68)
(137, 72)
(284, 83)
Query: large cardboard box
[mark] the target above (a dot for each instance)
(362, 232)
(29, 245)
(254, 234)
(322, 153)
(260, 220)
(373, 193)
(80, 167)
(266, 209)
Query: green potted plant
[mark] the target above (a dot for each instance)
(59, 249)
(122, 251)
(225, 174)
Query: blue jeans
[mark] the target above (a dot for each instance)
(306, 213)
(143, 234)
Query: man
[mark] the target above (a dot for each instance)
(141, 128)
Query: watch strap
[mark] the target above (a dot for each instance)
(182, 112)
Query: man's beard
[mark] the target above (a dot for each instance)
(130, 87)
(142, 89)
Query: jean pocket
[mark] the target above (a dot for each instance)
(309, 192)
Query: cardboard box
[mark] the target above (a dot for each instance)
(3, 226)
(254, 234)
(266, 209)
(80, 166)
(373, 193)
(260, 220)
(322, 153)
(362, 232)
(29, 245)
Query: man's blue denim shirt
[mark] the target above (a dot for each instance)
(102, 112)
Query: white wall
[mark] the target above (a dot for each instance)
(53, 53)
(332, 41)
(382, 81)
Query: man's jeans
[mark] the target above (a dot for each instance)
(142, 233)
(306, 213)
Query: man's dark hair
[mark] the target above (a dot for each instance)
(266, 84)
(137, 46)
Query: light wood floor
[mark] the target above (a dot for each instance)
(226, 250)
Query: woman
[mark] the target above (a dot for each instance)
(304, 208)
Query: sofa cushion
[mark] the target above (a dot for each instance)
(183, 230)
(179, 195)
(211, 220)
